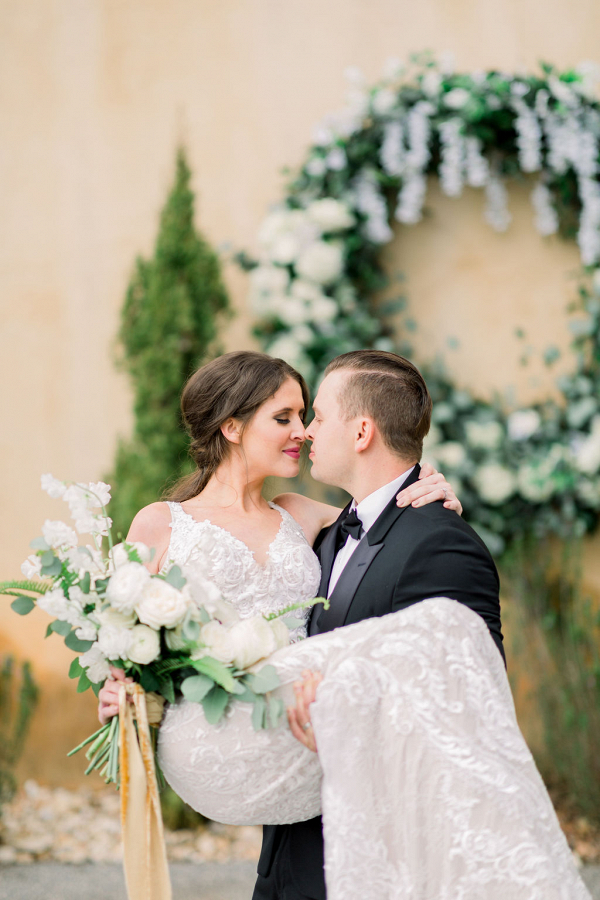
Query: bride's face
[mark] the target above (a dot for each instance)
(272, 440)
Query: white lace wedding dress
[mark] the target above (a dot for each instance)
(427, 788)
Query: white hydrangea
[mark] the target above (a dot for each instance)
(451, 454)
(55, 604)
(145, 645)
(523, 424)
(115, 642)
(58, 534)
(484, 435)
(316, 166)
(293, 311)
(431, 82)
(588, 492)
(590, 79)
(162, 605)
(127, 585)
(330, 215)
(587, 453)
(96, 664)
(495, 483)
(384, 101)
(120, 553)
(456, 98)
(321, 262)
(336, 159)
(535, 482)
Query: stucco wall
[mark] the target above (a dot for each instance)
(95, 95)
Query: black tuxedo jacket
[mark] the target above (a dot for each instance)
(408, 555)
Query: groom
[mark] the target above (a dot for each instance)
(372, 412)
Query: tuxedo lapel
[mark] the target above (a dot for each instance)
(357, 566)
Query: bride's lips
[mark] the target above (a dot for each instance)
(294, 452)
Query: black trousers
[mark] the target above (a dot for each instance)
(280, 883)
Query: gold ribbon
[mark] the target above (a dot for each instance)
(144, 853)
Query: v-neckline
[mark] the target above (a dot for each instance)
(239, 540)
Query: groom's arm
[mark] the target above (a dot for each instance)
(451, 562)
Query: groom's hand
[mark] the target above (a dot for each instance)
(299, 716)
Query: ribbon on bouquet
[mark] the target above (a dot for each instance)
(144, 853)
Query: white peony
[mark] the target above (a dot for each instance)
(162, 605)
(127, 585)
(456, 98)
(330, 215)
(55, 604)
(96, 664)
(115, 642)
(484, 435)
(32, 566)
(58, 534)
(120, 553)
(145, 644)
(53, 487)
(114, 618)
(451, 454)
(523, 424)
(321, 262)
(494, 483)
(244, 643)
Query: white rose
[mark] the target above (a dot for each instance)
(32, 566)
(256, 639)
(456, 98)
(116, 619)
(145, 644)
(285, 249)
(494, 483)
(115, 642)
(96, 664)
(127, 585)
(58, 534)
(53, 487)
(484, 435)
(324, 310)
(535, 482)
(330, 215)
(451, 454)
(219, 642)
(55, 604)
(162, 605)
(321, 262)
(523, 423)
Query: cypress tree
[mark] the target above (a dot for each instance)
(168, 328)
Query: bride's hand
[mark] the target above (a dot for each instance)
(431, 486)
(299, 716)
(108, 696)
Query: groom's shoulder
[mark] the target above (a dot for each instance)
(434, 519)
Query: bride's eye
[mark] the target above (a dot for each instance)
(283, 421)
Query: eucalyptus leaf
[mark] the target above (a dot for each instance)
(265, 680)
(51, 564)
(77, 645)
(75, 669)
(22, 605)
(276, 709)
(215, 704)
(175, 578)
(196, 687)
(85, 583)
(218, 672)
(60, 627)
(259, 714)
(39, 543)
(84, 683)
(191, 630)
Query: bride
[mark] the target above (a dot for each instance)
(426, 786)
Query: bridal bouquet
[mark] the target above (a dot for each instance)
(171, 633)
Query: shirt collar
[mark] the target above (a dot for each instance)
(369, 509)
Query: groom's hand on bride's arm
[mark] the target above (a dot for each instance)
(431, 486)
(299, 715)
(108, 696)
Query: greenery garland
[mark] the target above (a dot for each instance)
(533, 471)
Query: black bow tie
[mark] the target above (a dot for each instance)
(352, 525)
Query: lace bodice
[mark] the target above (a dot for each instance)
(290, 574)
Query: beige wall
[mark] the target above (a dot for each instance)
(95, 95)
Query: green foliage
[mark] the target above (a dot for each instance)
(559, 634)
(17, 703)
(176, 813)
(168, 329)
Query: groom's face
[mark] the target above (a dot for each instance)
(332, 452)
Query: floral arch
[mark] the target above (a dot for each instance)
(534, 470)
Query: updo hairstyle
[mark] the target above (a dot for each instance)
(233, 386)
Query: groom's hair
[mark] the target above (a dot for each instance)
(392, 391)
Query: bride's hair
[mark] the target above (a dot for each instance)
(233, 386)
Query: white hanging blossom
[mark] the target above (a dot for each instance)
(496, 211)
(546, 217)
(419, 131)
(369, 201)
(476, 165)
(451, 170)
(393, 152)
(588, 236)
(411, 198)
(529, 136)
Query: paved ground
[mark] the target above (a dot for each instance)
(104, 881)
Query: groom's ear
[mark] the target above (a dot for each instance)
(364, 434)
(231, 430)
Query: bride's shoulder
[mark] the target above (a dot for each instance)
(310, 514)
(151, 526)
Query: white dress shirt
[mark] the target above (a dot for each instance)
(368, 511)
